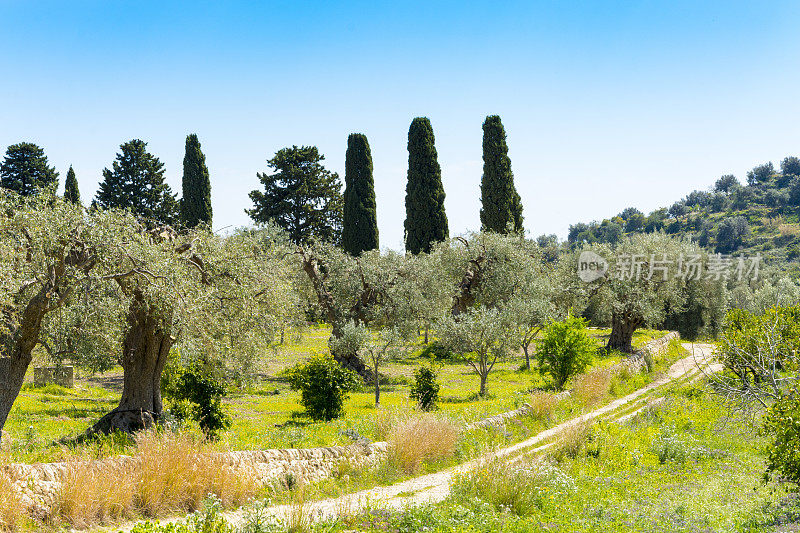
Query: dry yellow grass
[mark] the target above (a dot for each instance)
(789, 230)
(168, 473)
(420, 438)
(591, 388)
(12, 512)
(543, 405)
(571, 441)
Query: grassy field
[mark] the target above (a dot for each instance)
(268, 414)
(683, 466)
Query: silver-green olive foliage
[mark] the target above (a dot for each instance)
(648, 275)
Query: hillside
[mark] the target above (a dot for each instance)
(757, 217)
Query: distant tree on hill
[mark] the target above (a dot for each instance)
(25, 170)
(790, 166)
(726, 183)
(635, 222)
(71, 191)
(426, 221)
(301, 196)
(501, 209)
(360, 223)
(547, 240)
(196, 201)
(655, 220)
(136, 182)
(732, 233)
(760, 174)
(678, 209)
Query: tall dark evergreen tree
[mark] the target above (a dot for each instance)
(71, 191)
(360, 224)
(136, 182)
(501, 209)
(426, 221)
(302, 196)
(25, 170)
(196, 201)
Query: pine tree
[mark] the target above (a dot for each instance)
(136, 182)
(426, 221)
(71, 191)
(196, 201)
(501, 209)
(25, 170)
(360, 224)
(302, 196)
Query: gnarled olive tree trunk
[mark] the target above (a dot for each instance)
(623, 326)
(145, 350)
(19, 344)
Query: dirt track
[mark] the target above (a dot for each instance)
(432, 488)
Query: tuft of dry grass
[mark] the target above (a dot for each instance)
(592, 388)
(542, 405)
(168, 473)
(12, 512)
(571, 441)
(420, 438)
(298, 518)
(789, 230)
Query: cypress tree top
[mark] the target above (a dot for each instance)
(501, 209)
(196, 201)
(71, 192)
(426, 221)
(25, 170)
(360, 223)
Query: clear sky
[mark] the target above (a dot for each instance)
(606, 104)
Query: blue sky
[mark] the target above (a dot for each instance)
(606, 104)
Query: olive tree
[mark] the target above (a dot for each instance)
(374, 290)
(374, 350)
(215, 295)
(481, 336)
(646, 276)
(49, 252)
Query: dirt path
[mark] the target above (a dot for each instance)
(432, 488)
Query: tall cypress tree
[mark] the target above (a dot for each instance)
(501, 209)
(25, 170)
(360, 223)
(71, 192)
(136, 182)
(196, 201)
(426, 221)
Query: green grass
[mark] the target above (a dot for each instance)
(263, 419)
(683, 466)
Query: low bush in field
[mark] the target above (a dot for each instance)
(416, 439)
(572, 441)
(436, 350)
(324, 385)
(516, 487)
(168, 473)
(425, 388)
(566, 349)
(782, 426)
(196, 392)
(11, 509)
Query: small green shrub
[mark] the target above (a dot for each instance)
(324, 385)
(566, 349)
(425, 388)
(195, 392)
(782, 426)
(438, 351)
